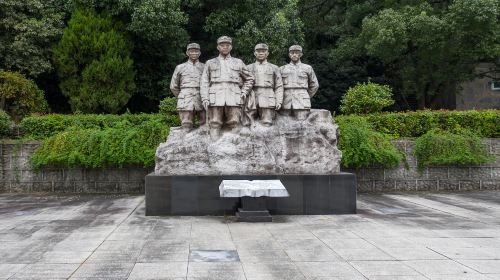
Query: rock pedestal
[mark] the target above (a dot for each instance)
(289, 146)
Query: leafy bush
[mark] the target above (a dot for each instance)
(20, 96)
(485, 123)
(41, 127)
(168, 106)
(361, 146)
(441, 147)
(94, 63)
(5, 123)
(122, 144)
(366, 98)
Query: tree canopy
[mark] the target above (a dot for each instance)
(423, 49)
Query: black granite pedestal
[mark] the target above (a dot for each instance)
(253, 209)
(199, 195)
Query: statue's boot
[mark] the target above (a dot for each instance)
(215, 133)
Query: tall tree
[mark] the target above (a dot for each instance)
(428, 51)
(157, 28)
(27, 30)
(250, 22)
(93, 62)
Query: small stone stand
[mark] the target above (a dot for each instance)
(253, 197)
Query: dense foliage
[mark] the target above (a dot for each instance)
(41, 127)
(20, 96)
(123, 144)
(28, 29)
(423, 49)
(366, 98)
(168, 106)
(442, 147)
(5, 123)
(94, 65)
(361, 146)
(485, 123)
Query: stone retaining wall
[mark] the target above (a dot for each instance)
(17, 175)
(408, 178)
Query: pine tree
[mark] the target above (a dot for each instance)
(93, 62)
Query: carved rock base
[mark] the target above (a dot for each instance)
(289, 146)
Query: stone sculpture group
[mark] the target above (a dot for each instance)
(258, 118)
(225, 92)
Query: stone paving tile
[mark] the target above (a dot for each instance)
(122, 245)
(358, 243)
(45, 271)
(211, 244)
(328, 269)
(483, 266)
(378, 268)
(7, 270)
(150, 271)
(213, 270)
(104, 270)
(460, 277)
(263, 256)
(426, 233)
(272, 271)
(414, 254)
(321, 255)
(64, 257)
(370, 254)
(258, 244)
(398, 277)
(439, 267)
(113, 256)
(469, 253)
(303, 244)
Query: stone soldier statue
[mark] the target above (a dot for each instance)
(268, 87)
(225, 83)
(185, 85)
(299, 84)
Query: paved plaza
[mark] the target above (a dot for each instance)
(394, 236)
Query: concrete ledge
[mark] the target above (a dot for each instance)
(199, 195)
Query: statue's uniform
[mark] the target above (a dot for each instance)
(185, 85)
(268, 89)
(222, 83)
(299, 84)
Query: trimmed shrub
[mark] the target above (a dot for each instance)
(361, 146)
(41, 127)
(441, 147)
(120, 145)
(366, 98)
(485, 123)
(20, 96)
(168, 106)
(5, 123)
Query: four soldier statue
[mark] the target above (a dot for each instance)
(229, 93)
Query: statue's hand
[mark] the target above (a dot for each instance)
(205, 104)
(278, 106)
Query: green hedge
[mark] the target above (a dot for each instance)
(441, 147)
(485, 123)
(122, 144)
(41, 127)
(5, 123)
(361, 146)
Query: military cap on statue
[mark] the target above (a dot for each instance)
(225, 39)
(261, 47)
(295, 48)
(193, 46)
